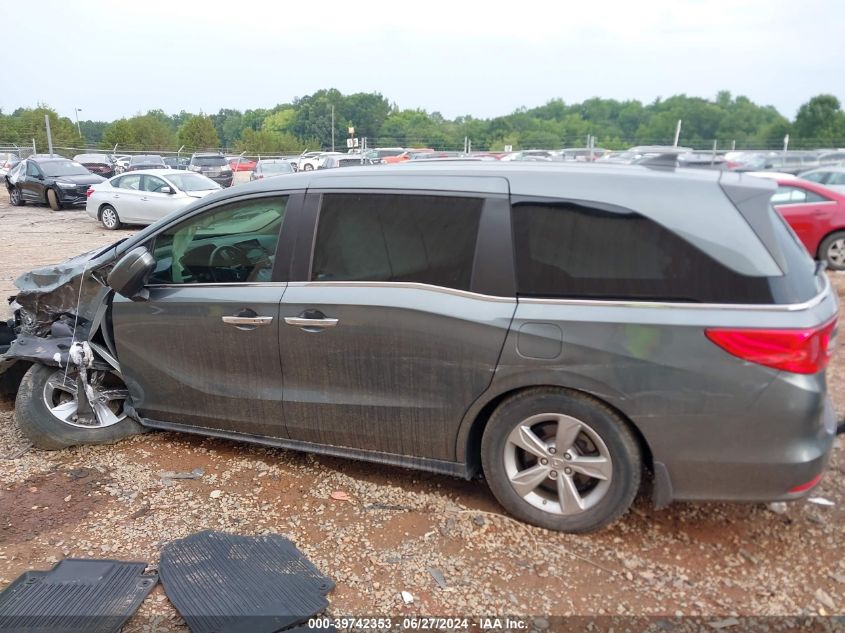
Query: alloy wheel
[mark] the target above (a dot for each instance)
(15, 196)
(558, 464)
(109, 217)
(836, 252)
(61, 398)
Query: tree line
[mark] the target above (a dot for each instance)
(306, 122)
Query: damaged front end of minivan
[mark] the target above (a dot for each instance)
(61, 319)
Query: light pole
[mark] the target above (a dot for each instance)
(78, 129)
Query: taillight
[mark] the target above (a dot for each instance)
(804, 351)
(89, 192)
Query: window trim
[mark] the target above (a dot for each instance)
(302, 268)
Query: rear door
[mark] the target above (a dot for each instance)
(394, 326)
(32, 184)
(125, 197)
(203, 350)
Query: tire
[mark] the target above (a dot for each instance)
(308, 167)
(47, 431)
(595, 433)
(53, 200)
(109, 217)
(832, 249)
(16, 197)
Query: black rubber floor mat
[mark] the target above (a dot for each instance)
(225, 583)
(76, 596)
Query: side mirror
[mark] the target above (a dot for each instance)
(129, 275)
(166, 189)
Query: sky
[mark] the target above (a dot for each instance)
(474, 58)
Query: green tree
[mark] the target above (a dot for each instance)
(197, 132)
(820, 122)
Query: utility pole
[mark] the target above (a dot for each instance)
(332, 128)
(78, 129)
(49, 135)
(677, 134)
(713, 158)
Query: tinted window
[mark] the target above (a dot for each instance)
(574, 251)
(209, 161)
(817, 176)
(32, 169)
(395, 237)
(232, 244)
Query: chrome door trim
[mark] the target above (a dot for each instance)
(318, 323)
(239, 320)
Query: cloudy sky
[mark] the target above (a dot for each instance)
(114, 59)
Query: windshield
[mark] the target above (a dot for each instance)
(192, 182)
(147, 160)
(63, 168)
(281, 167)
(209, 161)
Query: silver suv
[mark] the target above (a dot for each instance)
(564, 330)
(214, 166)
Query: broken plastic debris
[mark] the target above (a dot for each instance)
(216, 494)
(339, 495)
(438, 576)
(196, 473)
(821, 501)
(407, 598)
(778, 507)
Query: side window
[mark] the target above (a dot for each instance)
(132, 181)
(231, 244)
(397, 237)
(152, 184)
(817, 176)
(789, 195)
(568, 250)
(812, 196)
(32, 169)
(115, 182)
(836, 178)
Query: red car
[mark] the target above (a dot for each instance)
(817, 215)
(245, 164)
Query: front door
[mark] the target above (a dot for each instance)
(203, 350)
(386, 346)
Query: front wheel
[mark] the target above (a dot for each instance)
(832, 249)
(308, 167)
(561, 460)
(109, 218)
(47, 409)
(16, 197)
(53, 200)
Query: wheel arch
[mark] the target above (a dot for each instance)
(102, 206)
(472, 428)
(818, 253)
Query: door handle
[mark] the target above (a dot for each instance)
(242, 320)
(115, 196)
(144, 198)
(314, 323)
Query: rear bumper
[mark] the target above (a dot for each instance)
(753, 472)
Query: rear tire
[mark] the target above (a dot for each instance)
(832, 249)
(308, 167)
(16, 197)
(109, 218)
(53, 200)
(561, 460)
(45, 430)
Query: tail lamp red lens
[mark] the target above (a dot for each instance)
(802, 351)
(89, 192)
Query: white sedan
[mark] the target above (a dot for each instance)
(144, 196)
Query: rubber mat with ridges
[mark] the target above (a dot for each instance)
(225, 583)
(76, 596)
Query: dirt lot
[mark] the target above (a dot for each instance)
(713, 560)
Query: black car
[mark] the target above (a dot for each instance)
(99, 164)
(58, 182)
(146, 161)
(214, 166)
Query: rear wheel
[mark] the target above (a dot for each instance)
(832, 249)
(561, 460)
(53, 200)
(109, 217)
(308, 167)
(16, 197)
(47, 407)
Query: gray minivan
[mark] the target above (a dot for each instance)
(563, 329)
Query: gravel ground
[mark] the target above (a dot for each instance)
(397, 526)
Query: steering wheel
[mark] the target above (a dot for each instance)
(232, 262)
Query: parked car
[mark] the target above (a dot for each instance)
(176, 162)
(121, 162)
(7, 161)
(239, 163)
(463, 319)
(58, 182)
(344, 160)
(313, 160)
(146, 161)
(378, 154)
(817, 215)
(99, 164)
(214, 166)
(142, 197)
(268, 167)
(830, 177)
(406, 155)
